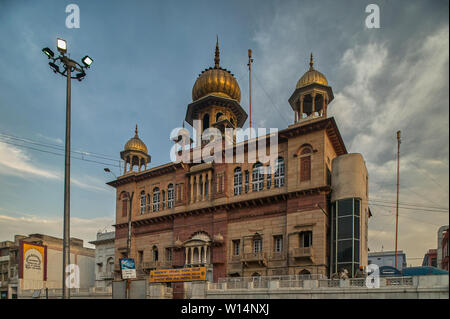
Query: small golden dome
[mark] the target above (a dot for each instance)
(216, 81)
(136, 144)
(311, 76)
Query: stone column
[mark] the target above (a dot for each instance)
(209, 185)
(205, 249)
(187, 254)
(191, 200)
(125, 167)
(199, 186)
(301, 106)
(295, 116)
(203, 186)
(313, 103)
(192, 254)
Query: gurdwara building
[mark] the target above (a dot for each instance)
(307, 214)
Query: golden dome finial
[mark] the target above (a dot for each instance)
(311, 76)
(217, 58)
(136, 131)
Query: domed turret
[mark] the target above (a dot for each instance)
(216, 93)
(311, 96)
(135, 144)
(311, 76)
(216, 81)
(135, 153)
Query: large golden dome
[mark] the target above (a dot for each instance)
(136, 144)
(216, 81)
(311, 76)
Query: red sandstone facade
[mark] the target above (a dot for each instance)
(226, 216)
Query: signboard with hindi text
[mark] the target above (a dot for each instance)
(179, 274)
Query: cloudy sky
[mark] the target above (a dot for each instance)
(147, 56)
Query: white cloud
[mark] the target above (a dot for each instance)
(56, 140)
(382, 86)
(16, 162)
(415, 102)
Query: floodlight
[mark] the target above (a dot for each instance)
(54, 67)
(80, 76)
(48, 52)
(87, 61)
(61, 45)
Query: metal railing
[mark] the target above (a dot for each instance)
(298, 281)
(398, 281)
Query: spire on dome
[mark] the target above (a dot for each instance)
(311, 62)
(217, 58)
(136, 131)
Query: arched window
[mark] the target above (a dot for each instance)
(247, 181)
(257, 244)
(279, 172)
(110, 264)
(156, 200)
(237, 181)
(205, 121)
(124, 197)
(218, 115)
(149, 200)
(142, 202)
(305, 164)
(257, 177)
(305, 274)
(155, 253)
(170, 196)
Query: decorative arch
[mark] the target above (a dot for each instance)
(237, 181)
(205, 122)
(279, 172)
(155, 254)
(156, 199)
(304, 155)
(142, 202)
(170, 195)
(124, 198)
(257, 177)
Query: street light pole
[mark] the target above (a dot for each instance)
(69, 66)
(66, 234)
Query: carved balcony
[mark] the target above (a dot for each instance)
(303, 252)
(254, 258)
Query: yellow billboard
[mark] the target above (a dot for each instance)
(179, 274)
(33, 261)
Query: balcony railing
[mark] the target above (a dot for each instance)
(157, 264)
(106, 275)
(258, 257)
(303, 252)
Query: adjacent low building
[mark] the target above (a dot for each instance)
(104, 259)
(35, 262)
(430, 258)
(387, 258)
(443, 248)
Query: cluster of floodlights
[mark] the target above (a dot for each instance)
(68, 63)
